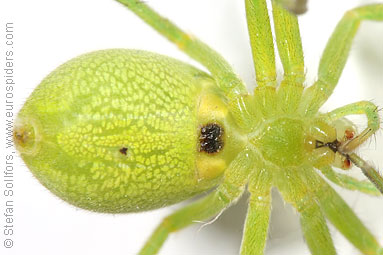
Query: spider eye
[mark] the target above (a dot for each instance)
(345, 129)
(347, 163)
(341, 162)
(349, 134)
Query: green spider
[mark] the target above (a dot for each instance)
(251, 125)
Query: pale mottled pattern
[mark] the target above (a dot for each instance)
(93, 106)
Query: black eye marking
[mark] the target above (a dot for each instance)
(123, 150)
(332, 145)
(211, 138)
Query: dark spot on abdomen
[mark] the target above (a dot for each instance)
(211, 138)
(123, 150)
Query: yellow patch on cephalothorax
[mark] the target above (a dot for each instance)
(211, 106)
(211, 112)
(209, 167)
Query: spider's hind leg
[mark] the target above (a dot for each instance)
(258, 214)
(315, 229)
(315, 199)
(222, 72)
(296, 190)
(225, 194)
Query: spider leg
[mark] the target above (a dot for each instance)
(362, 107)
(296, 190)
(222, 72)
(335, 55)
(349, 182)
(291, 54)
(373, 124)
(368, 171)
(344, 219)
(258, 214)
(315, 230)
(289, 44)
(226, 193)
(261, 41)
(294, 6)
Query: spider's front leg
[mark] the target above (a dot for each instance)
(261, 40)
(373, 124)
(226, 193)
(335, 55)
(288, 42)
(368, 171)
(363, 107)
(290, 51)
(349, 182)
(289, 45)
(291, 55)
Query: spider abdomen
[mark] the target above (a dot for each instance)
(119, 131)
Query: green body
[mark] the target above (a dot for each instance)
(92, 108)
(122, 131)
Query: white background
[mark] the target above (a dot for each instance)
(48, 33)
